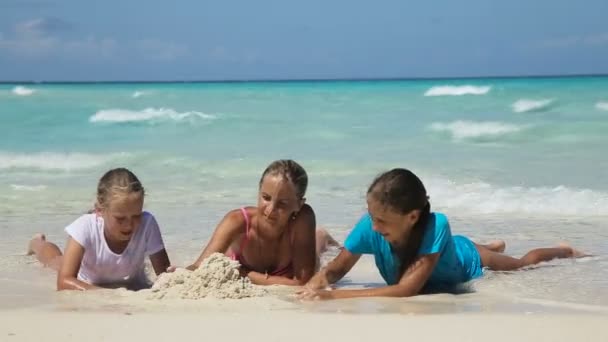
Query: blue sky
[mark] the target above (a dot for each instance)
(211, 40)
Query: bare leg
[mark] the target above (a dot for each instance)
(500, 262)
(495, 246)
(324, 240)
(46, 252)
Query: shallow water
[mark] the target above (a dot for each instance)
(516, 159)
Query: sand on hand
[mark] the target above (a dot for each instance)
(218, 277)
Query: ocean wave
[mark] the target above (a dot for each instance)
(19, 187)
(138, 93)
(602, 105)
(462, 129)
(457, 90)
(54, 161)
(484, 198)
(148, 114)
(23, 91)
(526, 105)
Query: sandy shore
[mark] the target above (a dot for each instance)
(31, 310)
(115, 315)
(297, 326)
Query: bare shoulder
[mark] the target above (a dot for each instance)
(306, 210)
(306, 217)
(233, 221)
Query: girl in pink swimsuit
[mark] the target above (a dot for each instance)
(276, 242)
(284, 271)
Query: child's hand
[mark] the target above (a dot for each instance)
(310, 294)
(317, 282)
(172, 269)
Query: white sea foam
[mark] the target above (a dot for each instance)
(484, 198)
(138, 93)
(53, 161)
(602, 105)
(462, 129)
(148, 114)
(457, 90)
(19, 187)
(23, 91)
(527, 105)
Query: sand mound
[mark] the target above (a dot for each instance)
(217, 277)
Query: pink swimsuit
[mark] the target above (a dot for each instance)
(284, 271)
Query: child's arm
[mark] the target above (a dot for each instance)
(304, 255)
(410, 284)
(224, 234)
(160, 261)
(67, 275)
(262, 279)
(334, 271)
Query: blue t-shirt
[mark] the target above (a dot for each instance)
(458, 262)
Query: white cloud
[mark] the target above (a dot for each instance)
(234, 56)
(164, 51)
(598, 39)
(42, 46)
(41, 26)
(42, 38)
(29, 45)
(92, 46)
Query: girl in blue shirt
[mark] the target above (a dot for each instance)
(414, 247)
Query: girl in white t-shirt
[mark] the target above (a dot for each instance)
(108, 246)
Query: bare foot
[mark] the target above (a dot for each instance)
(496, 246)
(575, 252)
(37, 238)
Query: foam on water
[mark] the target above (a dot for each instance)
(148, 114)
(20, 187)
(522, 184)
(23, 91)
(52, 161)
(464, 129)
(224, 183)
(457, 90)
(602, 105)
(526, 105)
(484, 198)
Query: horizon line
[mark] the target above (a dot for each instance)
(303, 80)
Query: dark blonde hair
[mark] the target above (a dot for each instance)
(117, 182)
(291, 171)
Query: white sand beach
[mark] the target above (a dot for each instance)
(34, 325)
(121, 315)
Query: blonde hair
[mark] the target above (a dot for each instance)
(291, 171)
(114, 183)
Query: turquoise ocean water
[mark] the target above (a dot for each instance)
(518, 159)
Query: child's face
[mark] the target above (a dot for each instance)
(392, 225)
(277, 200)
(123, 216)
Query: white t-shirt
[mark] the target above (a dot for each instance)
(102, 266)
